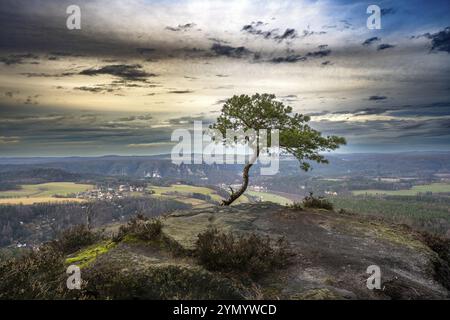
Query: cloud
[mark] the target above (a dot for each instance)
(31, 100)
(19, 59)
(309, 33)
(65, 54)
(144, 51)
(9, 140)
(319, 54)
(181, 91)
(182, 27)
(229, 51)
(47, 75)
(151, 144)
(288, 34)
(293, 58)
(385, 46)
(440, 41)
(369, 41)
(377, 98)
(273, 34)
(126, 72)
(136, 118)
(96, 89)
(288, 59)
(387, 11)
(189, 120)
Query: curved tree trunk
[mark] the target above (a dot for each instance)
(236, 194)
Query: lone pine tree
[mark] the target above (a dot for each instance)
(263, 112)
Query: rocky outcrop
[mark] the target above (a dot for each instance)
(332, 253)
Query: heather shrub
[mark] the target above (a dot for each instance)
(317, 202)
(250, 255)
(75, 238)
(141, 228)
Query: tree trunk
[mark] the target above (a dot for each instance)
(241, 190)
(89, 216)
(236, 194)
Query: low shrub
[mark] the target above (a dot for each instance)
(141, 228)
(106, 281)
(441, 246)
(75, 238)
(296, 206)
(37, 275)
(317, 202)
(249, 255)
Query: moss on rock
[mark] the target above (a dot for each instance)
(87, 255)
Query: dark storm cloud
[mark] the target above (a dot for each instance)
(385, 46)
(65, 54)
(95, 89)
(293, 58)
(49, 129)
(47, 75)
(440, 41)
(388, 131)
(319, 54)
(308, 33)
(288, 34)
(288, 59)
(144, 51)
(272, 34)
(133, 72)
(369, 41)
(435, 109)
(377, 98)
(19, 59)
(180, 91)
(229, 51)
(31, 27)
(182, 27)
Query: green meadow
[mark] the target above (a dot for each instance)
(433, 187)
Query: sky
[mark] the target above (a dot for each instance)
(139, 69)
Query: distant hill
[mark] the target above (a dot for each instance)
(14, 177)
(367, 165)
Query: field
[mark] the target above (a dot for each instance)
(265, 196)
(33, 200)
(433, 187)
(45, 192)
(431, 213)
(186, 190)
(184, 193)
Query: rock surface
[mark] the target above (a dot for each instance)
(332, 253)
